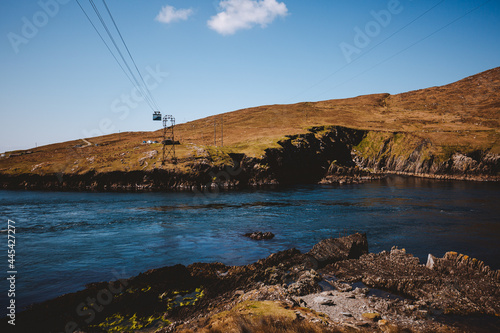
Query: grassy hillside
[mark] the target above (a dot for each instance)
(462, 116)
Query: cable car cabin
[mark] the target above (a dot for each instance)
(157, 115)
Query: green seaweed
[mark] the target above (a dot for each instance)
(178, 298)
(119, 323)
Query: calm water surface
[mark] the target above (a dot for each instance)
(65, 240)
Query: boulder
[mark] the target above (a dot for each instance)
(331, 250)
(260, 235)
(307, 283)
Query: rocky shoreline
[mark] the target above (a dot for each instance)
(155, 181)
(324, 155)
(338, 286)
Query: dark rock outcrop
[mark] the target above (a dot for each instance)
(332, 250)
(259, 235)
(305, 158)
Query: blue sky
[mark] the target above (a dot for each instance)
(59, 82)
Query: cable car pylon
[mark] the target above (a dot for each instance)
(168, 137)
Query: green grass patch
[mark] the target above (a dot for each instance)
(372, 143)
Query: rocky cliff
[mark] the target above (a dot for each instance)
(410, 154)
(340, 154)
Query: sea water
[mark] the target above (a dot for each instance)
(65, 240)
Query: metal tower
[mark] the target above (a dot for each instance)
(168, 139)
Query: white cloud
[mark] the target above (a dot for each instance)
(244, 14)
(169, 14)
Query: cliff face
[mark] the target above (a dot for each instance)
(339, 154)
(307, 158)
(330, 154)
(407, 153)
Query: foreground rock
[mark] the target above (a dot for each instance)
(454, 284)
(337, 286)
(336, 249)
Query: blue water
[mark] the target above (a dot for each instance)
(68, 239)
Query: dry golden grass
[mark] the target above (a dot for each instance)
(258, 317)
(264, 324)
(462, 114)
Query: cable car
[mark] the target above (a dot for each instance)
(157, 115)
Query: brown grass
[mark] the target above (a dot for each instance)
(258, 317)
(268, 324)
